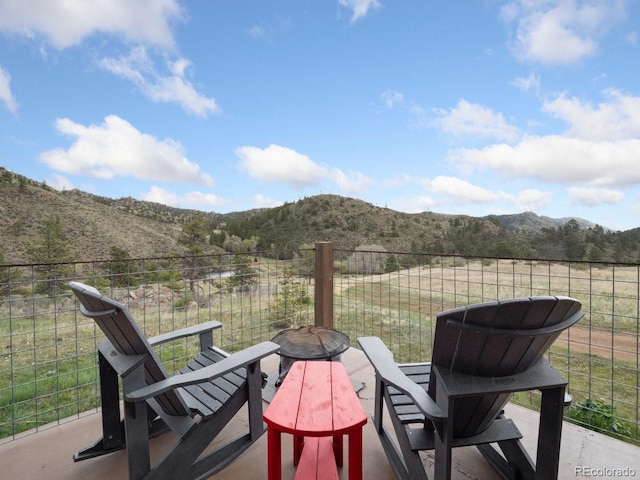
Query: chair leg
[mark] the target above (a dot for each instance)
(513, 463)
(187, 460)
(254, 402)
(442, 454)
(405, 462)
(112, 431)
(390, 449)
(506, 469)
(443, 434)
(518, 463)
(136, 427)
(547, 462)
(113, 438)
(549, 433)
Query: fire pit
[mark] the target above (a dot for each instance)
(308, 343)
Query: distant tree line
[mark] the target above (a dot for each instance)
(276, 230)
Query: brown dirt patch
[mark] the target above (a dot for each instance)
(604, 343)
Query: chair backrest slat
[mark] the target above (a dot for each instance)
(497, 339)
(123, 332)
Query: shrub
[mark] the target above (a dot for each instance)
(598, 416)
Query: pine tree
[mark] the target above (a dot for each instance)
(51, 257)
(194, 236)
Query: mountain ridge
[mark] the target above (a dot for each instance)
(532, 222)
(94, 224)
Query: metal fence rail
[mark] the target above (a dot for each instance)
(48, 371)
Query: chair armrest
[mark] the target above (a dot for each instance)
(239, 359)
(539, 377)
(388, 372)
(184, 332)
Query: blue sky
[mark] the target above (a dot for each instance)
(452, 106)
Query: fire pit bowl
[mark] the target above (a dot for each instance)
(309, 343)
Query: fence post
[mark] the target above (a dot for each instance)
(323, 284)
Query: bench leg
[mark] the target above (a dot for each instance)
(355, 454)
(338, 449)
(298, 445)
(274, 454)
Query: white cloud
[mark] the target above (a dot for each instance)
(355, 183)
(269, 30)
(280, 164)
(634, 208)
(423, 202)
(617, 119)
(400, 180)
(60, 182)
(459, 191)
(419, 117)
(160, 195)
(173, 87)
(195, 199)
(66, 24)
(179, 67)
(417, 204)
(198, 199)
(446, 190)
(475, 120)
(277, 164)
(601, 146)
(528, 84)
(6, 96)
(558, 159)
(391, 98)
(359, 8)
(116, 148)
(560, 31)
(146, 22)
(592, 197)
(263, 202)
(529, 199)
(259, 32)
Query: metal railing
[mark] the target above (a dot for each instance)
(599, 355)
(48, 371)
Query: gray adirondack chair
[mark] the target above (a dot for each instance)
(481, 355)
(195, 404)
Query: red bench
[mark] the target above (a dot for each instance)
(317, 460)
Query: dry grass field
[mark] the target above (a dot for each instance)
(599, 355)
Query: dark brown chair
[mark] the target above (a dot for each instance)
(196, 404)
(481, 355)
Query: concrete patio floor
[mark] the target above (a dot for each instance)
(47, 454)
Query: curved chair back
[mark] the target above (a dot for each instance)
(497, 339)
(123, 332)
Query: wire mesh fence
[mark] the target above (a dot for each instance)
(400, 294)
(48, 362)
(48, 366)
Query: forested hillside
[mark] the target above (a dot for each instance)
(91, 226)
(349, 223)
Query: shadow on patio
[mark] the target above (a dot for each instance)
(48, 453)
